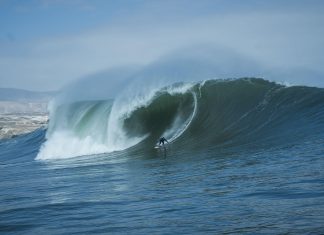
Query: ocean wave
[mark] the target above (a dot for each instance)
(212, 114)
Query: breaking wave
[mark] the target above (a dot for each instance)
(246, 113)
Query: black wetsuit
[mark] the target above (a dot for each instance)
(162, 140)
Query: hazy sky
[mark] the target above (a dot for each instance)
(44, 44)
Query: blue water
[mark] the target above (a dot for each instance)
(250, 160)
(273, 191)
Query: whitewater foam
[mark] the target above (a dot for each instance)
(76, 129)
(86, 128)
(64, 144)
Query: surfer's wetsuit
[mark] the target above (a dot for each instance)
(162, 140)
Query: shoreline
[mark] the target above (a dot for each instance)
(15, 124)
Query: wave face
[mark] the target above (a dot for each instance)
(211, 115)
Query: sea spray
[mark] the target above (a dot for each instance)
(93, 127)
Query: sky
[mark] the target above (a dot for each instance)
(47, 44)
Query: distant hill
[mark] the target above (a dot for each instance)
(18, 101)
(19, 95)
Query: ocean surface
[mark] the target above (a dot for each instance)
(246, 156)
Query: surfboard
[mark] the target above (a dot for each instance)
(160, 146)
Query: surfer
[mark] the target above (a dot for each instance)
(162, 140)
